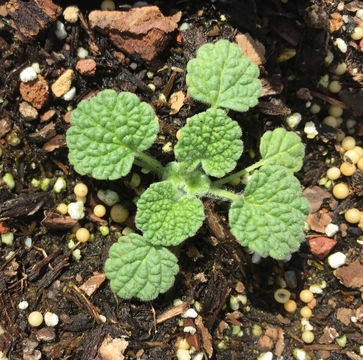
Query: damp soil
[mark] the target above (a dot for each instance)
(213, 266)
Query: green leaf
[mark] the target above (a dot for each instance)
(222, 77)
(139, 269)
(281, 147)
(107, 131)
(212, 139)
(269, 218)
(166, 216)
(192, 183)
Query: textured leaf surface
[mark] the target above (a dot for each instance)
(106, 132)
(212, 139)
(166, 217)
(139, 269)
(281, 147)
(269, 218)
(222, 77)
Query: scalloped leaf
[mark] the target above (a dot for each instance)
(222, 76)
(281, 147)
(269, 218)
(166, 216)
(136, 268)
(107, 131)
(212, 139)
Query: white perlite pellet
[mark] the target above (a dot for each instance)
(28, 74)
(51, 319)
(331, 229)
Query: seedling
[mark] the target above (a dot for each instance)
(111, 131)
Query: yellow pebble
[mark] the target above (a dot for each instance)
(306, 312)
(335, 111)
(62, 208)
(307, 337)
(334, 86)
(119, 213)
(99, 210)
(359, 151)
(81, 190)
(177, 135)
(348, 143)
(340, 69)
(352, 155)
(282, 295)
(290, 306)
(306, 296)
(82, 235)
(35, 318)
(315, 108)
(352, 216)
(360, 164)
(357, 33)
(333, 173)
(347, 169)
(341, 191)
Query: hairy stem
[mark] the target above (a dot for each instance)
(241, 173)
(148, 162)
(223, 193)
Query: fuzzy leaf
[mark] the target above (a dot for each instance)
(269, 218)
(139, 269)
(106, 132)
(222, 77)
(281, 147)
(212, 139)
(167, 217)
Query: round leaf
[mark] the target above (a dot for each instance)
(222, 77)
(281, 147)
(106, 132)
(166, 216)
(212, 139)
(139, 269)
(269, 218)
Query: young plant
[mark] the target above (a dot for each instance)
(111, 131)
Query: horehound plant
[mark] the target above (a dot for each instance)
(110, 133)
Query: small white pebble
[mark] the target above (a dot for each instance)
(28, 74)
(190, 313)
(190, 329)
(350, 123)
(59, 185)
(359, 14)
(8, 238)
(300, 354)
(265, 356)
(183, 354)
(305, 325)
(82, 53)
(23, 305)
(60, 31)
(36, 67)
(51, 319)
(184, 26)
(316, 289)
(198, 356)
(69, 95)
(331, 229)
(256, 258)
(293, 120)
(76, 254)
(336, 260)
(341, 45)
(109, 197)
(353, 319)
(361, 347)
(2, 356)
(103, 318)
(310, 130)
(71, 13)
(76, 210)
(28, 242)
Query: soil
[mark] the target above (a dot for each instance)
(213, 266)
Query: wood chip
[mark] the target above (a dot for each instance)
(93, 283)
(206, 336)
(315, 196)
(351, 275)
(175, 311)
(176, 102)
(113, 349)
(318, 221)
(251, 48)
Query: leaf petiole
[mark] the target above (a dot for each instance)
(223, 193)
(148, 162)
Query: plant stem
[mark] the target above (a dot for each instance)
(148, 162)
(241, 173)
(223, 193)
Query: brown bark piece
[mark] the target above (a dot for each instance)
(55, 221)
(315, 196)
(206, 336)
(86, 67)
(318, 221)
(175, 311)
(44, 134)
(351, 276)
(251, 48)
(5, 127)
(176, 102)
(330, 334)
(55, 143)
(112, 349)
(93, 283)
(31, 17)
(142, 31)
(35, 92)
(62, 85)
(344, 315)
(271, 86)
(335, 22)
